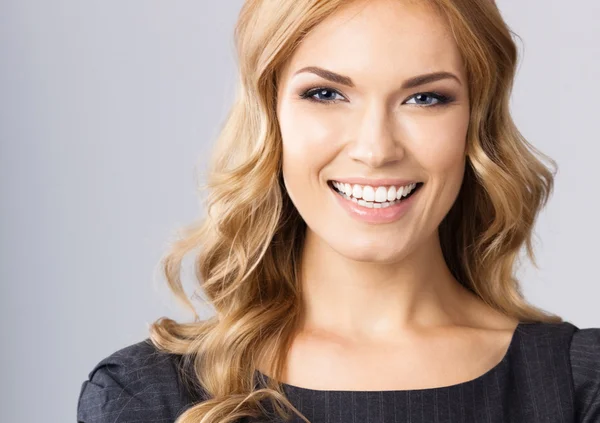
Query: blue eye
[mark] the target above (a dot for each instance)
(327, 96)
(311, 93)
(441, 99)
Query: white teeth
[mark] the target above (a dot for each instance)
(405, 191)
(374, 194)
(391, 194)
(348, 189)
(368, 194)
(381, 194)
(370, 197)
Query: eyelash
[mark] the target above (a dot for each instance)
(308, 95)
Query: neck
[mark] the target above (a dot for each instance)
(374, 300)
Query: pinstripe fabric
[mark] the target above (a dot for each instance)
(585, 362)
(550, 373)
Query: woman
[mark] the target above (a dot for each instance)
(369, 196)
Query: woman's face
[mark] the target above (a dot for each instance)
(368, 120)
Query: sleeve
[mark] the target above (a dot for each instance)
(137, 383)
(585, 363)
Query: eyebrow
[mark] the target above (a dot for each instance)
(409, 83)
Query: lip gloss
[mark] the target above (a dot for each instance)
(375, 215)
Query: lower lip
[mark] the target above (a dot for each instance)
(373, 215)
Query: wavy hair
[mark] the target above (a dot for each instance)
(251, 238)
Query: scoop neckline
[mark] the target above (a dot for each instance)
(489, 373)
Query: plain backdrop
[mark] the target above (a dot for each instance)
(107, 112)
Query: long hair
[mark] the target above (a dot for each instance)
(250, 241)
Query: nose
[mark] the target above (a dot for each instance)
(375, 143)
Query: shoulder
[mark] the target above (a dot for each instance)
(585, 364)
(135, 383)
(569, 353)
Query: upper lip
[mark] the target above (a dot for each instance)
(376, 182)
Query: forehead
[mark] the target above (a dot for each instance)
(380, 37)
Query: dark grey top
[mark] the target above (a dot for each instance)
(550, 373)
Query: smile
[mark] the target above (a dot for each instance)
(375, 205)
(378, 197)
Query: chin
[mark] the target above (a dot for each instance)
(375, 251)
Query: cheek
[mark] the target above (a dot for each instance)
(439, 144)
(308, 140)
(439, 147)
(305, 131)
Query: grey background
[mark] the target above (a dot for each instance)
(107, 112)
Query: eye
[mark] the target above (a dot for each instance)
(321, 95)
(422, 99)
(328, 95)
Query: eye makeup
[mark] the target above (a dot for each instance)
(441, 99)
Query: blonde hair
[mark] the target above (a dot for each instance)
(251, 238)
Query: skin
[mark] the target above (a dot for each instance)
(379, 298)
